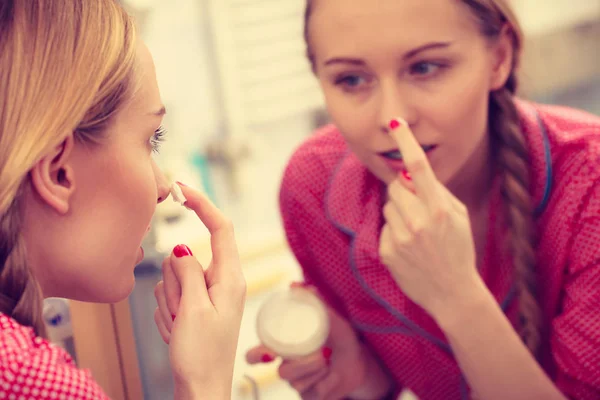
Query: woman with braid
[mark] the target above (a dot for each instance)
(80, 117)
(453, 229)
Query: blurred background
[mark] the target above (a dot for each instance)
(240, 98)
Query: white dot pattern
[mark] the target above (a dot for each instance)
(32, 368)
(331, 207)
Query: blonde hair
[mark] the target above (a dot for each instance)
(65, 68)
(511, 155)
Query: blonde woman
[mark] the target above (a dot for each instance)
(452, 228)
(80, 115)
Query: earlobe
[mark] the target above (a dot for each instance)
(503, 55)
(52, 177)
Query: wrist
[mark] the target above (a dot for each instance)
(197, 391)
(459, 310)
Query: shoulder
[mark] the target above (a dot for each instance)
(313, 163)
(574, 140)
(572, 132)
(32, 366)
(566, 121)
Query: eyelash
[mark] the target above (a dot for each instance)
(157, 139)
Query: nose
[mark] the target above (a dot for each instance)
(162, 185)
(394, 102)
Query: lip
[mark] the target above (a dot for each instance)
(398, 165)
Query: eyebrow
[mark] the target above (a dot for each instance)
(410, 54)
(159, 113)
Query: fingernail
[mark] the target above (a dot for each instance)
(181, 250)
(267, 358)
(327, 352)
(182, 184)
(173, 317)
(406, 175)
(394, 124)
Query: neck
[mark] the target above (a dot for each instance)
(472, 184)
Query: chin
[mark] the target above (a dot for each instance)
(118, 293)
(104, 292)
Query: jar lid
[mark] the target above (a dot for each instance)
(293, 323)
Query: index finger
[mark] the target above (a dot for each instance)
(415, 160)
(222, 238)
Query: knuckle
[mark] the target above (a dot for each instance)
(240, 286)
(238, 289)
(390, 190)
(440, 214)
(385, 253)
(158, 289)
(387, 210)
(227, 225)
(415, 228)
(416, 165)
(298, 386)
(165, 262)
(403, 238)
(284, 372)
(399, 246)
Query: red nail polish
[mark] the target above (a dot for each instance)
(173, 317)
(267, 358)
(327, 352)
(181, 250)
(394, 124)
(406, 175)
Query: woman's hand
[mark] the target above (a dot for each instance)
(199, 313)
(426, 242)
(344, 368)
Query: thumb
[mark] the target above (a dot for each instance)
(189, 273)
(260, 354)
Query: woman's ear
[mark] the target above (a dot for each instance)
(502, 58)
(52, 178)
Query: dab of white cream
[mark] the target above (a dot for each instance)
(177, 194)
(295, 324)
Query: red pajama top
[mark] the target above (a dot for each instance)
(31, 368)
(332, 213)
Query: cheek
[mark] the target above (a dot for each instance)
(352, 115)
(460, 107)
(141, 189)
(131, 192)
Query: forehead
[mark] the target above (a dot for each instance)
(147, 96)
(135, 114)
(360, 25)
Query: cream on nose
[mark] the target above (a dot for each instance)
(177, 194)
